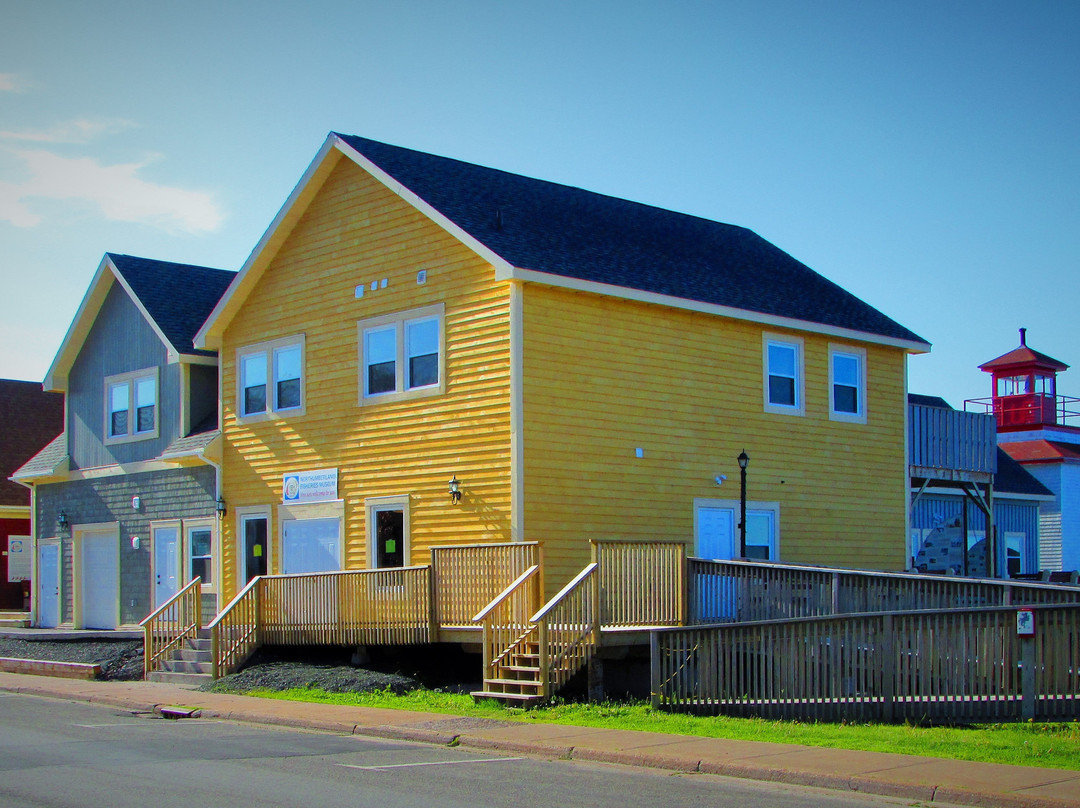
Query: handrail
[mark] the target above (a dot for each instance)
(161, 609)
(563, 593)
(240, 641)
(177, 619)
(531, 571)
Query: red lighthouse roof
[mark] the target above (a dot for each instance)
(1023, 357)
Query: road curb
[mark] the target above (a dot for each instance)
(848, 783)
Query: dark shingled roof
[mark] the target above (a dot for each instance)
(29, 419)
(928, 401)
(178, 296)
(566, 231)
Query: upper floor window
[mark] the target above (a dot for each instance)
(401, 355)
(847, 382)
(131, 406)
(270, 377)
(783, 361)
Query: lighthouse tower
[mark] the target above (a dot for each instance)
(1041, 430)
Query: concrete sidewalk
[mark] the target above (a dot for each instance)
(917, 778)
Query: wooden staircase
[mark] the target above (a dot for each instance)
(14, 619)
(191, 664)
(517, 676)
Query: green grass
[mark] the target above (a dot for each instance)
(1049, 745)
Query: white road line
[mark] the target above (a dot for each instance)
(431, 763)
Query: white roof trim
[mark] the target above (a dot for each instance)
(534, 276)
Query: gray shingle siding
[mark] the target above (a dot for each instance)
(120, 341)
(183, 493)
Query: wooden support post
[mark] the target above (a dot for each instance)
(654, 669)
(835, 605)
(1027, 679)
(888, 668)
(596, 678)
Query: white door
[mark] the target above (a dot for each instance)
(48, 585)
(100, 580)
(715, 537)
(166, 563)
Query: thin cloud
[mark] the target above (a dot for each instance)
(116, 190)
(8, 83)
(77, 131)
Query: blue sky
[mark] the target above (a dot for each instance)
(924, 155)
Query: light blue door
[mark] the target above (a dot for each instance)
(715, 597)
(166, 563)
(48, 585)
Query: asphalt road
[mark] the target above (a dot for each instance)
(55, 753)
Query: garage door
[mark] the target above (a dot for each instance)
(100, 579)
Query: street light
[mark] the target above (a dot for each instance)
(744, 461)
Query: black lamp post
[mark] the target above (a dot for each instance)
(744, 461)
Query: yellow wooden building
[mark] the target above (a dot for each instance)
(575, 366)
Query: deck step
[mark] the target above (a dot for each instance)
(178, 678)
(523, 698)
(14, 622)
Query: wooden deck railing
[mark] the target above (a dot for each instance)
(951, 440)
(167, 627)
(234, 633)
(743, 590)
(641, 583)
(505, 621)
(467, 577)
(568, 629)
(353, 607)
(956, 665)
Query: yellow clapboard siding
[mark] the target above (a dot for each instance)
(357, 232)
(604, 376)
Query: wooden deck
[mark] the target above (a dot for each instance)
(632, 593)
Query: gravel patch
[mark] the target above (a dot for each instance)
(120, 660)
(331, 678)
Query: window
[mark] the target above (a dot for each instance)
(1013, 385)
(131, 408)
(271, 378)
(200, 547)
(401, 355)
(783, 375)
(847, 382)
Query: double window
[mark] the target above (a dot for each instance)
(271, 378)
(131, 406)
(847, 384)
(402, 355)
(783, 375)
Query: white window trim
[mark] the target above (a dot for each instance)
(241, 514)
(395, 503)
(332, 509)
(736, 506)
(131, 378)
(797, 343)
(215, 553)
(398, 320)
(267, 349)
(848, 417)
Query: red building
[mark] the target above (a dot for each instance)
(29, 419)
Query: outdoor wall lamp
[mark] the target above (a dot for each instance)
(62, 521)
(744, 461)
(219, 506)
(455, 490)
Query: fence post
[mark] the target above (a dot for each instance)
(1006, 595)
(1027, 678)
(888, 668)
(654, 668)
(835, 593)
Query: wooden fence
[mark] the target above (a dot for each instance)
(468, 577)
(641, 583)
(959, 665)
(740, 591)
(167, 628)
(951, 440)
